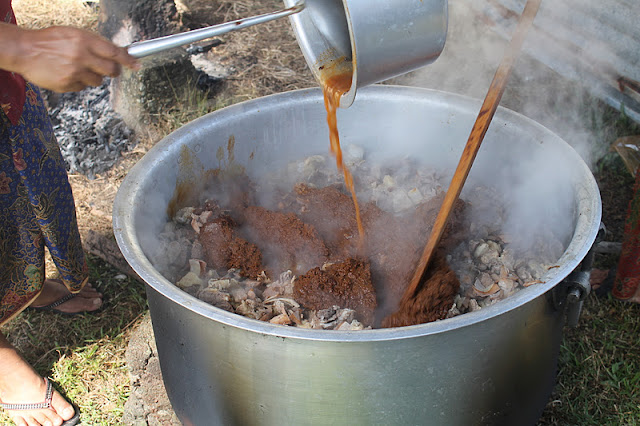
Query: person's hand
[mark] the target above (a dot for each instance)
(65, 59)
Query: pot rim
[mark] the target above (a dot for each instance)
(124, 229)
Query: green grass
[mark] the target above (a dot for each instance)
(84, 354)
(88, 378)
(190, 103)
(599, 375)
(599, 366)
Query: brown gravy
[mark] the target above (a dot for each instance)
(334, 85)
(434, 299)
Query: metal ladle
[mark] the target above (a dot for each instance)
(141, 49)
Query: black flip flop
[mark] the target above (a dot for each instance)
(45, 404)
(75, 420)
(52, 307)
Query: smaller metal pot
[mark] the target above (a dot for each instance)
(381, 38)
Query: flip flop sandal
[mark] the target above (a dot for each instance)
(53, 306)
(46, 404)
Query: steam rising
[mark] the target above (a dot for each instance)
(472, 53)
(536, 183)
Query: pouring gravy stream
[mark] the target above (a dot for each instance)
(335, 83)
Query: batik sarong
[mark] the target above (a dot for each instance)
(626, 283)
(36, 209)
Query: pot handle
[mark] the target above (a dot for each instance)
(141, 49)
(575, 288)
(579, 287)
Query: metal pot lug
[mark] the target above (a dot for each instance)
(577, 289)
(571, 293)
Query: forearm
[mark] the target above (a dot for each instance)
(61, 58)
(11, 40)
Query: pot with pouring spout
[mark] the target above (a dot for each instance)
(374, 39)
(493, 366)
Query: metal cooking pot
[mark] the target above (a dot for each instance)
(379, 38)
(493, 366)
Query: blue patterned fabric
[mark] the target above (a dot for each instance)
(36, 208)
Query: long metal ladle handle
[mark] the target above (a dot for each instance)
(149, 47)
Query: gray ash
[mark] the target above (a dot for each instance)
(91, 135)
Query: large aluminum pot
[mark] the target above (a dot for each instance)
(493, 366)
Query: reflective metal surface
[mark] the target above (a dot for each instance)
(493, 366)
(382, 38)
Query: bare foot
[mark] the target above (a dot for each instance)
(20, 384)
(87, 300)
(597, 277)
(635, 298)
